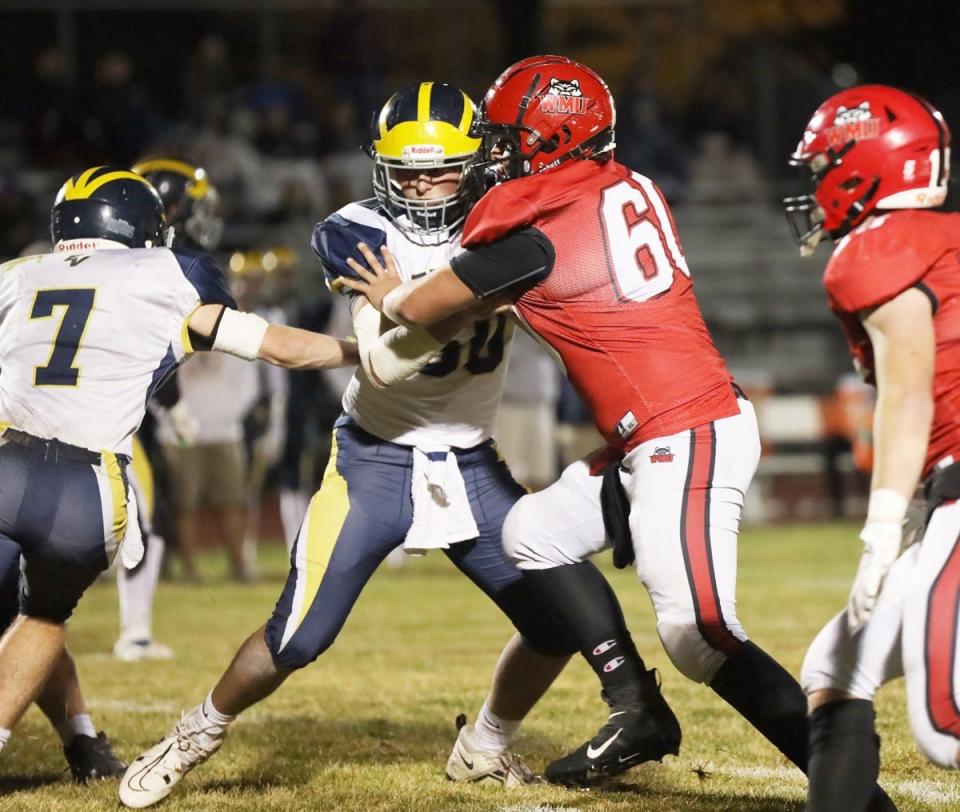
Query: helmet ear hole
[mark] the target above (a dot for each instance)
(851, 183)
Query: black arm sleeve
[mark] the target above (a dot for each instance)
(514, 263)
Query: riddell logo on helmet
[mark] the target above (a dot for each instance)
(413, 153)
(564, 97)
(853, 124)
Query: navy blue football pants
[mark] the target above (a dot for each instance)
(363, 511)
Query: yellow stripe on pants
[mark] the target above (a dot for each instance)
(325, 517)
(142, 477)
(118, 493)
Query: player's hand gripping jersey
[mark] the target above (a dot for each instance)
(883, 258)
(86, 337)
(618, 307)
(453, 400)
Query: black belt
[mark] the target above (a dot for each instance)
(942, 486)
(53, 450)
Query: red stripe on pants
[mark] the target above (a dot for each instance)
(941, 646)
(695, 538)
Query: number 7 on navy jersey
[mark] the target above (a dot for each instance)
(77, 303)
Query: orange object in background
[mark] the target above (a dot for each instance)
(849, 413)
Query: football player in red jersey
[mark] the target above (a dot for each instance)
(879, 156)
(588, 253)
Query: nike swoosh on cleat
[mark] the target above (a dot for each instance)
(593, 753)
(463, 758)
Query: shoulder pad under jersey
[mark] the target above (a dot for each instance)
(206, 276)
(335, 239)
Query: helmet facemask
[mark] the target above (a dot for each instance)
(427, 221)
(204, 226)
(806, 216)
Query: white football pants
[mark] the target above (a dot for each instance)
(912, 632)
(686, 493)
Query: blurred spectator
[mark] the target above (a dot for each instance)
(117, 118)
(649, 144)
(208, 468)
(347, 167)
(208, 76)
(52, 131)
(17, 224)
(723, 172)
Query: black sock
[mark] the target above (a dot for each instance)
(844, 757)
(589, 610)
(771, 700)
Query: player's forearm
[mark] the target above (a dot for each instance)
(294, 348)
(901, 431)
(427, 301)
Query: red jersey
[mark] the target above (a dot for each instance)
(618, 307)
(880, 260)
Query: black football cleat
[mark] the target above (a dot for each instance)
(641, 727)
(92, 758)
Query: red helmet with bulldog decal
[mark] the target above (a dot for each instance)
(868, 147)
(541, 112)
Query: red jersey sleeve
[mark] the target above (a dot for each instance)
(498, 212)
(879, 261)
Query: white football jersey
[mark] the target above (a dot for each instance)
(453, 401)
(87, 335)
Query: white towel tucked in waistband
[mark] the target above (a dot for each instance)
(441, 508)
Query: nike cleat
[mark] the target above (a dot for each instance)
(153, 774)
(470, 765)
(92, 758)
(641, 727)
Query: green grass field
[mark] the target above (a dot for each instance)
(369, 726)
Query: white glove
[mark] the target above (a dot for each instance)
(882, 542)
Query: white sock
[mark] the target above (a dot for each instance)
(491, 733)
(79, 725)
(212, 716)
(4, 737)
(136, 590)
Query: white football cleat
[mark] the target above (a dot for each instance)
(133, 650)
(474, 766)
(153, 774)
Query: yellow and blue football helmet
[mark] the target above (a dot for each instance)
(111, 203)
(426, 126)
(190, 200)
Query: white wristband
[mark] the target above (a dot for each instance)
(887, 505)
(240, 334)
(391, 305)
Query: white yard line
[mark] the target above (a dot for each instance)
(925, 791)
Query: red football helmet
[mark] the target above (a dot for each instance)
(541, 112)
(868, 147)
